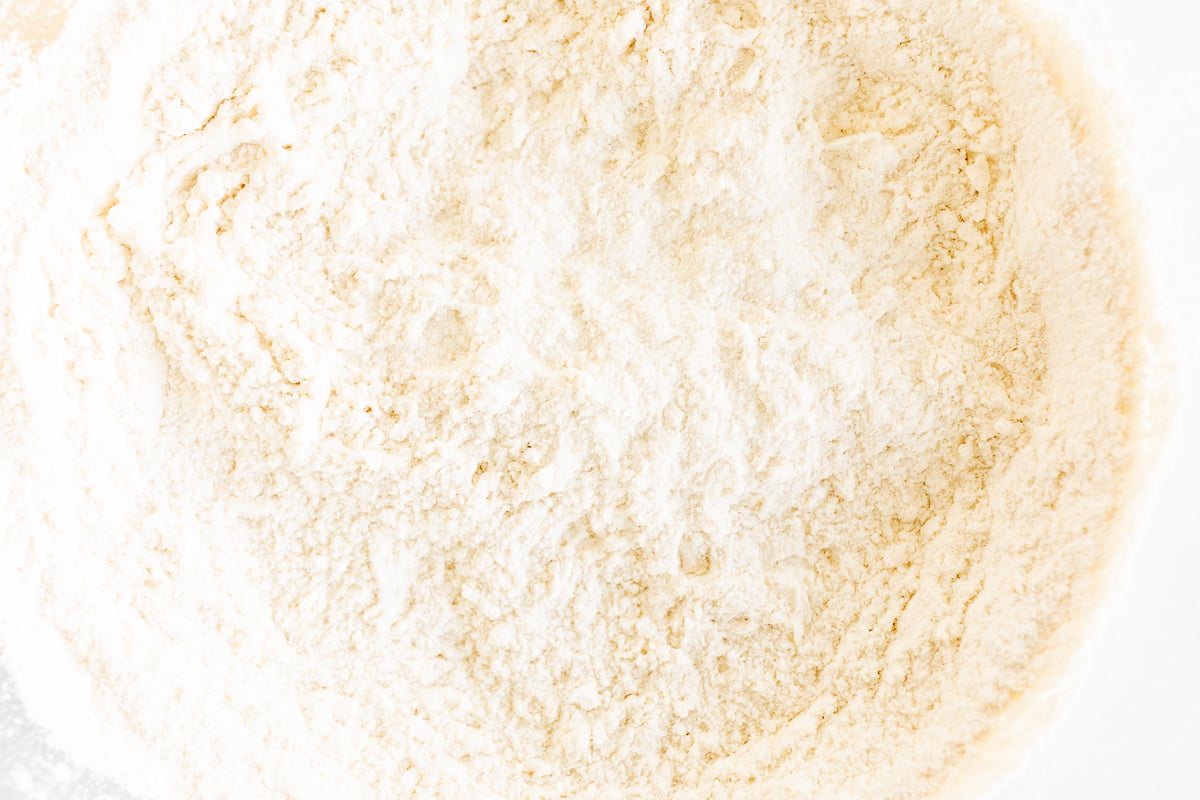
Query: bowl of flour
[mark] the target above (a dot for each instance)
(541, 399)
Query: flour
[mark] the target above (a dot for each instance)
(542, 399)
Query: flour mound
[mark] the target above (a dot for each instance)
(542, 399)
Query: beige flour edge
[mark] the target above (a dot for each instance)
(1101, 131)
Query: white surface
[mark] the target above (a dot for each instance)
(1130, 726)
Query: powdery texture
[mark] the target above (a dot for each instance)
(642, 399)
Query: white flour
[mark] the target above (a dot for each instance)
(543, 399)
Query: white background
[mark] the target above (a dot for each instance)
(1129, 726)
